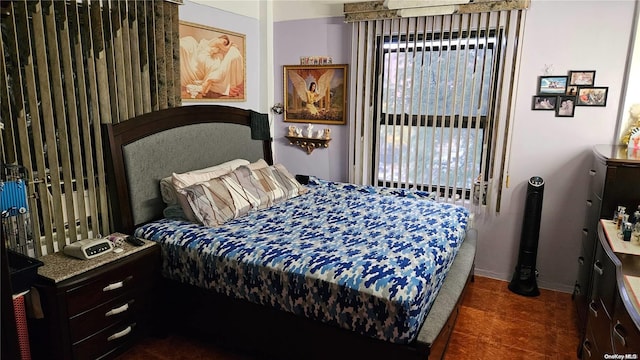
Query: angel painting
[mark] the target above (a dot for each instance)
(315, 94)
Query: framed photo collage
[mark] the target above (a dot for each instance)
(563, 93)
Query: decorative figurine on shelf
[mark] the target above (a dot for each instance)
(320, 134)
(309, 131)
(292, 130)
(298, 132)
(327, 133)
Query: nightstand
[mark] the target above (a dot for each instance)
(94, 308)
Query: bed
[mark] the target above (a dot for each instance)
(329, 270)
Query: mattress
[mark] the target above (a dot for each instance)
(370, 260)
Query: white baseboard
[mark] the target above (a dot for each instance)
(541, 284)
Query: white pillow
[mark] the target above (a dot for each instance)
(183, 180)
(196, 176)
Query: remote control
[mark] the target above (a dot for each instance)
(134, 241)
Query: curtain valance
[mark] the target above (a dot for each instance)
(390, 9)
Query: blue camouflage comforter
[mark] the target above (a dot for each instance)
(366, 259)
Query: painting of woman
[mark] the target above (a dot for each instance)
(211, 64)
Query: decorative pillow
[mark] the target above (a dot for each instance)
(260, 164)
(196, 176)
(273, 191)
(253, 189)
(217, 200)
(288, 182)
(183, 180)
(278, 184)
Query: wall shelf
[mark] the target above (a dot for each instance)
(309, 144)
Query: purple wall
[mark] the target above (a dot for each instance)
(318, 37)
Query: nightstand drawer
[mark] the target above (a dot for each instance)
(105, 341)
(108, 286)
(96, 308)
(105, 315)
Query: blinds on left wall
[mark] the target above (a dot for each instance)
(67, 67)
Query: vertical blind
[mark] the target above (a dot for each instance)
(66, 68)
(432, 102)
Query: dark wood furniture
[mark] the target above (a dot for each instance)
(202, 312)
(10, 346)
(613, 319)
(94, 308)
(614, 178)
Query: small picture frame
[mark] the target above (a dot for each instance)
(565, 106)
(592, 96)
(572, 90)
(582, 77)
(552, 85)
(544, 102)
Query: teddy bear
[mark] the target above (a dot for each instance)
(634, 124)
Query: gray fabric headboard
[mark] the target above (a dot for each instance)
(145, 149)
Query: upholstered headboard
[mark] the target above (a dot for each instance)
(147, 148)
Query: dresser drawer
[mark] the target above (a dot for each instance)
(109, 285)
(597, 173)
(120, 309)
(625, 336)
(106, 341)
(599, 327)
(604, 276)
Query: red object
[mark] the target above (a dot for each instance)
(21, 325)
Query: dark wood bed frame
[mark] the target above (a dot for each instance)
(245, 327)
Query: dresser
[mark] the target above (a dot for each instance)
(613, 319)
(96, 308)
(614, 177)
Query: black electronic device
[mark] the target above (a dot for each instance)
(134, 241)
(524, 277)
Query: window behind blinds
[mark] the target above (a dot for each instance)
(433, 97)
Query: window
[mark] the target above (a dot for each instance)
(432, 103)
(435, 92)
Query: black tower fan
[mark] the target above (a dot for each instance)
(524, 278)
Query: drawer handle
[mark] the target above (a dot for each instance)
(120, 334)
(118, 310)
(589, 203)
(116, 285)
(592, 307)
(581, 260)
(592, 172)
(585, 232)
(620, 334)
(597, 266)
(586, 345)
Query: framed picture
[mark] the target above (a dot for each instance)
(572, 90)
(544, 102)
(582, 77)
(552, 85)
(592, 96)
(565, 106)
(316, 94)
(212, 64)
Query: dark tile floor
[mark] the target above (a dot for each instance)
(494, 323)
